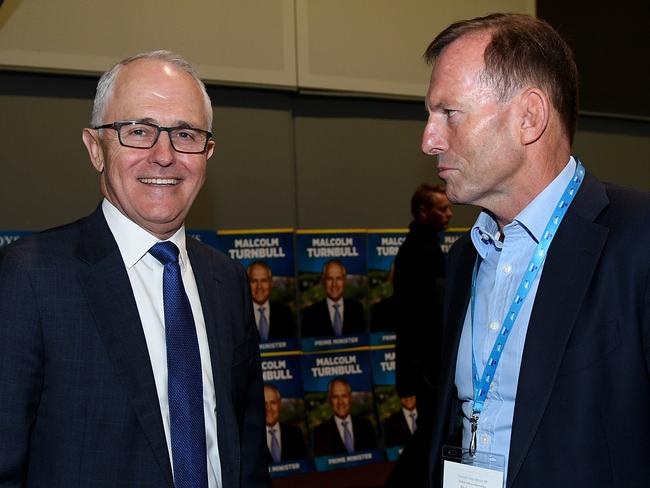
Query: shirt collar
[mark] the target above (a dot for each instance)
(533, 218)
(340, 421)
(331, 303)
(133, 241)
(265, 305)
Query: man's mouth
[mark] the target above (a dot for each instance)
(159, 181)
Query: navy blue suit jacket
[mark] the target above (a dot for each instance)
(327, 439)
(316, 320)
(78, 403)
(583, 397)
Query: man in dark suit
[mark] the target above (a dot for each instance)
(400, 426)
(274, 320)
(335, 315)
(342, 433)
(557, 262)
(284, 441)
(128, 352)
(418, 282)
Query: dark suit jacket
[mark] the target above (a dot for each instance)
(384, 316)
(293, 443)
(316, 319)
(78, 403)
(581, 413)
(327, 440)
(396, 430)
(418, 283)
(281, 324)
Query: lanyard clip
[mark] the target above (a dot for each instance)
(474, 427)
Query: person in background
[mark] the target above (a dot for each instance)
(342, 433)
(335, 315)
(128, 352)
(274, 320)
(400, 426)
(284, 441)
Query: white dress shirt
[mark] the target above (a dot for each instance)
(330, 308)
(410, 420)
(339, 425)
(267, 313)
(277, 435)
(145, 274)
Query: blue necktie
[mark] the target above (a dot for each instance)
(264, 325)
(184, 384)
(347, 437)
(338, 322)
(275, 447)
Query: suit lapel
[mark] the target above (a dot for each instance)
(218, 325)
(112, 304)
(567, 273)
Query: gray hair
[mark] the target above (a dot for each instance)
(106, 83)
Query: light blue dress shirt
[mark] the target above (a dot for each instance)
(501, 270)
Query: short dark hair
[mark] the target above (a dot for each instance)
(422, 196)
(523, 50)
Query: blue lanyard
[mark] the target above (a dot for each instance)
(482, 386)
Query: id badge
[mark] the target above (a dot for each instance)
(460, 470)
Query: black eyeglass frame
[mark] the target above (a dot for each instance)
(116, 126)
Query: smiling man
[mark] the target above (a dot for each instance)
(342, 433)
(334, 315)
(274, 320)
(129, 355)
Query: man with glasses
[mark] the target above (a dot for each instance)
(128, 353)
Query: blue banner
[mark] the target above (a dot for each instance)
(9, 236)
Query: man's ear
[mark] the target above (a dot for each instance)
(94, 147)
(422, 211)
(210, 149)
(535, 111)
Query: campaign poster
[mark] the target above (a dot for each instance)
(383, 245)
(9, 236)
(206, 236)
(268, 257)
(284, 408)
(395, 433)
(332, 282)
(337, 380)
(451, 235)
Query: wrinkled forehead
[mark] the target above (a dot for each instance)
(160, 90)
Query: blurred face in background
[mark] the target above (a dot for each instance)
(334, 281)
(260, 280)
(339, 397)
(271, 406)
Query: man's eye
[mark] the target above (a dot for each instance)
(139, 131)
(449, 112)
(186, 134)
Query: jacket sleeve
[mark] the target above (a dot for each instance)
(21, 365)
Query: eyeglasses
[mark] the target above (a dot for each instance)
(143, 135)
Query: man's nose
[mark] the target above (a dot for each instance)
(163, 149)
(433, 140)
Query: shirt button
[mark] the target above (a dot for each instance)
(494, 325)
(485, 439)
(507, 268)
